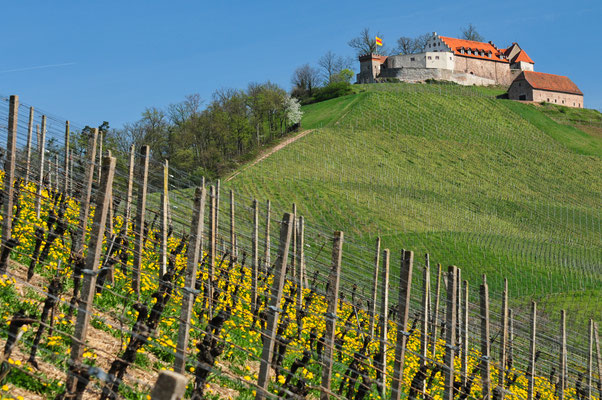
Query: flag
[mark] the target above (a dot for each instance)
(379, 41)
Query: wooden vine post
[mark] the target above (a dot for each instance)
(383, 325)
(562, 361)
(86, 194)
(503, 341)
(532, 350)
(598, 358)
(89, 281)
(332, 299)
(485, 341)
(66, 160)
(142, 179)
(590, 358)
(164, 223)
(436, 313)
(426, 294)
(465, 334)
(232, 226)
(9, 171)
(212, 248)
(374, 287)
(300, 225)
(28, 145)
(41, 155)
(273, 309)
(130, 187)
(450, 332)
(405, 288)
(195, 246)
(255, 256)
(266, 256)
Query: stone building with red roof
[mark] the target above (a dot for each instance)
(537, 86)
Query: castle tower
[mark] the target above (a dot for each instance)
(370, 65)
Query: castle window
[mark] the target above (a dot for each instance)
(562, 101)
(436, 57)
(412, 59)
(430, 57)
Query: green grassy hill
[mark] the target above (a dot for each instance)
(493, 186)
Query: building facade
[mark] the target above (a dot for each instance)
(538, 87)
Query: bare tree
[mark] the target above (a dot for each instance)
(365, 43)
(420, 42)
(305, 78)
(470, 33)
(331, 65)
(406, 45)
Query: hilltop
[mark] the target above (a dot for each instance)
(492, 186)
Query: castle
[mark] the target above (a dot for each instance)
(457, 60)
(468, 62)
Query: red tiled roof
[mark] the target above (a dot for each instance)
(457, 44)
(554, 83)
(522, 56)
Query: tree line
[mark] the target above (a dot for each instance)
(212, 139)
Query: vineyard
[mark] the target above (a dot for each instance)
(112, 275)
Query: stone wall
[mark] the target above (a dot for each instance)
(422, 60)
(422, 74)
(490, 69)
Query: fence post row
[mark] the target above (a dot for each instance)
(90, 274)
(142, 179)
(383, 325)
(332, 299)
(405, 286)
(273, 310)
(450, 332)
(195, 246)
(255, 256)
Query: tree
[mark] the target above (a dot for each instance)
(470, 33)
(305, 79)
(406, 45)
(420, 42)
(365, 43)
(344, 75)
(293, 110)
(330, 65)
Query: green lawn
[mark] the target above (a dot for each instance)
(490, 185)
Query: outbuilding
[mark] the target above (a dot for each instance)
(538, 87)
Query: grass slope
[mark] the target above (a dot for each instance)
(492, 186)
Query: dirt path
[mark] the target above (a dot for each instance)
(269, 152)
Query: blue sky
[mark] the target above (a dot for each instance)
(113, 59)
